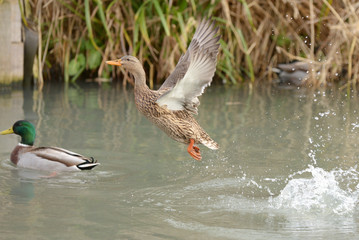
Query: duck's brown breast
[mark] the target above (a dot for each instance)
(18, 150)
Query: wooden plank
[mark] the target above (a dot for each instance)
(17, 61)
(15, 22)
(11, 46)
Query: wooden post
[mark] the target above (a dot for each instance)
(11, 45)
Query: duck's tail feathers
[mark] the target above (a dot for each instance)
(88, 165)
(210, 143)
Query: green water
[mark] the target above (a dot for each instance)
(286, 168)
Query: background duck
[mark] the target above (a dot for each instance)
(295, 73)
(44, 158)
(171, 107)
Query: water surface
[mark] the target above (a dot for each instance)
(286, 169)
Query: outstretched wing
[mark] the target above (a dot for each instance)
(194, 71)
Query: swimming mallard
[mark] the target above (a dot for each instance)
(44, 158)
(295, 73)
(171, 107)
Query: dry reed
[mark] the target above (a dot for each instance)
(79, 36)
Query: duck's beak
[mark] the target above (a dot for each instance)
(9, 131)
(114, 62)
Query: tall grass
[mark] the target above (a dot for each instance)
(79, 36)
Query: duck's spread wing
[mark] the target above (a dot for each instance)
(61, 155)
(179, 71)
(194, 72)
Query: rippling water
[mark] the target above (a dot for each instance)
(286, 169)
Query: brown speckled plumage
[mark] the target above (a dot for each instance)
(179, 125)
(171, 108)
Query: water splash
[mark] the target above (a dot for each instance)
(334, 192)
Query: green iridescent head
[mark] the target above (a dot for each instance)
(24, 129)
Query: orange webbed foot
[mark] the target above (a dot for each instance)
(194, 151)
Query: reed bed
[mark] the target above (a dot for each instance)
(77, 37)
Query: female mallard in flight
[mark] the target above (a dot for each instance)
(171, 107)
(44, 158)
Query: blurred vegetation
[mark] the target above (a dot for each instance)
(77, 37)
